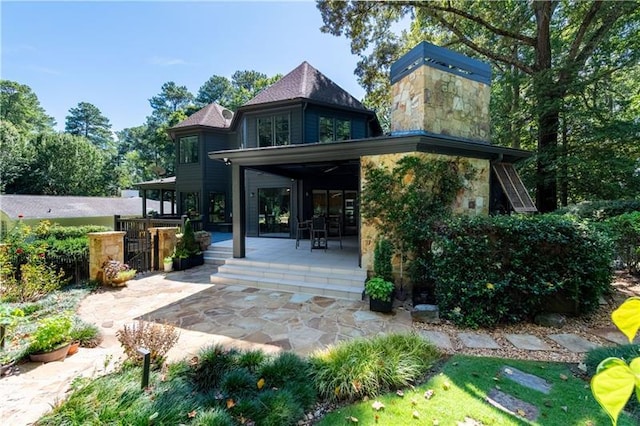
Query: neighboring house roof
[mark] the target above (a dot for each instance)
(306, 82)
(53, 206)
(212, 115)
(163, 183)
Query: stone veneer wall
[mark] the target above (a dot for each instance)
(166, 243)
(442, 103)
(472, 201)
(104, 246)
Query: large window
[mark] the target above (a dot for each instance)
(217, 203)
(273, 131)
(274, 216)
(334, 129)
(188, 149)
(190, 204)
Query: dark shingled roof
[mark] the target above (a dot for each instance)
(306, 82)
(54, 206)
(210, 116)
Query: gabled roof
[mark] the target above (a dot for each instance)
(306, 82)
(54, 206)
(210, 116)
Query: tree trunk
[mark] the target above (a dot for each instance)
(548, 110)
(564, 165)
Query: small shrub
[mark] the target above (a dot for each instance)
(87, 334)
(368, 367)
(281, 408)
(213, 417)
(238, 382)
(252, 360)
(379, 289)
(288, 371)
(213, 363)
(157, 338)
(502, 269)
(382, 254)
(625, 232)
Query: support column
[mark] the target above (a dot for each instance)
(166, 243)
(238, 210)
(102, 247)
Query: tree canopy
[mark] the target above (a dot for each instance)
(546, 55)
(21, 107)
(87, 120)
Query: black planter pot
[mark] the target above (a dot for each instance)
(180, 264)
(197, 259)
(377, 305)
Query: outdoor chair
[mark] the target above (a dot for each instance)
(319, 233)
(335, 227)
(302, 227)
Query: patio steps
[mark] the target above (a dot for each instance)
(340, 283)
(215, 255)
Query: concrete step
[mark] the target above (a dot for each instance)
(331, 282)
(217, 255)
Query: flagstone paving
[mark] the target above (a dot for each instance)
(230, 315)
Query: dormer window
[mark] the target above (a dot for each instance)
(334, 129)
(188, 150)
(273, 131)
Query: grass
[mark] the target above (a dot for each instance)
(460, 389)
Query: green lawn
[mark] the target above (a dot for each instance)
(459, 391)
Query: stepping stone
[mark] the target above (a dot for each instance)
(527, 342)
(425, 313)
(530, 381)
(512, 405)
(300, 298)
(572, 342)
(438, 338)
(478, 341)
(614, 335)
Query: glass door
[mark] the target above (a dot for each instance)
(274, 212)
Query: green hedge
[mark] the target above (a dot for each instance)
(624, 230)
(600, 210)
(502, 269)
(64, 232)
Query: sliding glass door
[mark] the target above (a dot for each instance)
(274, 214)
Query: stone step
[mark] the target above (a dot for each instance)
(297, 273)
(336, 291)
(217, 255)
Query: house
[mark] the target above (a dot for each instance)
(298, 148)
(67, 210)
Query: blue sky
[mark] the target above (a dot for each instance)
(116, 55)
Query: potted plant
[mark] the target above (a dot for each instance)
(181, 259)
(116, 273)
(203, 238)
(83, 334)
(168, 264)
(380, 292)
(187, 253)
(51, 339)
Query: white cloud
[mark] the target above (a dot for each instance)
(166, 62)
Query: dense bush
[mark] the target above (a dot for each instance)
(45, 230)
(502, 269)
(625, 232)
(369, 367)
(600, 210)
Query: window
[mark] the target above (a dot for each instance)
(188, 149)
(334, 129)
(273, 131)
(190, 202)
(217, 203)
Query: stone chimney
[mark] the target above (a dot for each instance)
(438, 91)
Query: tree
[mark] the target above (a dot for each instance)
(217, 89)
(16, 156)
(247, 84)
(87, 120)
(66, 164)
(549, 46)
(170, 99)
(21, 107)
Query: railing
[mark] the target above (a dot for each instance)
(134, 226)
(75, 268)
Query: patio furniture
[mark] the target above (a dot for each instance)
(319, 233)
(335, 227)
(302, 227)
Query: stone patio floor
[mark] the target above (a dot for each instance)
(206, 314)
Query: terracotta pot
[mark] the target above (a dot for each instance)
(73, 348)
(57, 354)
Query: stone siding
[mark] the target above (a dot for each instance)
(102, 247)
(472, 201)
(166, 243)
(442, 103)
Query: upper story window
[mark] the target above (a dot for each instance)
(334, 129)
(188, 149)
(273, 131)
